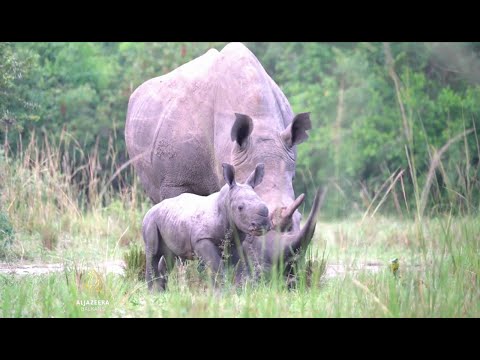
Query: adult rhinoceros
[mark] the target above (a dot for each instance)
(221, 107)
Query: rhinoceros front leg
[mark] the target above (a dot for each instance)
(210, 254)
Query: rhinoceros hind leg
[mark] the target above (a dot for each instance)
(156, 267)
(157, 272)
(161, 280)
(151, 273)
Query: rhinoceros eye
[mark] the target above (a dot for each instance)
(240, 208)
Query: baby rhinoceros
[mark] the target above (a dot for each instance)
(190, 225)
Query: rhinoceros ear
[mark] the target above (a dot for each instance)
(229, 174)
(296, 132)
(241, 129)
(256, 176)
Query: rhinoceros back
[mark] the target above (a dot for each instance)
(169, 130)
(178, 125)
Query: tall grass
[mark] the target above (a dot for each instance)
(63, 207)
(54, 191)
(445, 285)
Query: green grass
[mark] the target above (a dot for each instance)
(441, 283)
(48, 219)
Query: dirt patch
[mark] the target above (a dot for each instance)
(118, 267)
(334, 270)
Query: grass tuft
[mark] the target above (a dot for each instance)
(135, 263)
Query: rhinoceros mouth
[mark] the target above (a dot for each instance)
(258, 230)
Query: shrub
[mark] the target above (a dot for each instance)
(6, 235)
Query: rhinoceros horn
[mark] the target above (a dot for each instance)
(282, 218)
(277, 247)
(287, 245)
(294, 243)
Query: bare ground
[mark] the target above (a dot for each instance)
(118, 267)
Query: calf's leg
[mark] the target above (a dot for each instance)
(162, 274)
(156, 267)
(210, 253)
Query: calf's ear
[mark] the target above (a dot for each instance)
(296, 132)
(256, 176)
(241, 129)
(229, 174)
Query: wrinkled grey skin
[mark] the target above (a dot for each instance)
(190, 225)
(274, 248)
(221, 107)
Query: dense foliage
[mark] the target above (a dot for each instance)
(375, 108)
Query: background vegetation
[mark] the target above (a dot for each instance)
(372, 104)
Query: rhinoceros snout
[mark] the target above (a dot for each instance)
(263, 211)
(260, 227)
